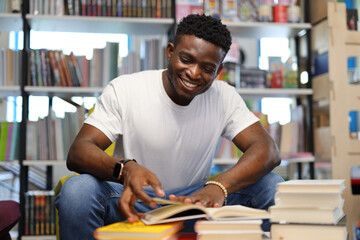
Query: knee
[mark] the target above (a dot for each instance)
(77, 190)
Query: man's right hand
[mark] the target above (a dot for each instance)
(135, 177)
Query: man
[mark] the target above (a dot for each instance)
(169, 122)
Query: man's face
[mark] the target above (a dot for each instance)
(193, 66)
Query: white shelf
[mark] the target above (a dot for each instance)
(10, 22)
(6, 91)
(86, 24)
(274, 92)
(14, 162)
(230, 161)
(39, 237)
(266, 29)
(63, 91)
(44, 163)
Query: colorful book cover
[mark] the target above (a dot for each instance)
(186, 7)
(3, 139)
(9, 141)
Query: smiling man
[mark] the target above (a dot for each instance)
(167, 124)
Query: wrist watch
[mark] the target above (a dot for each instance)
(119, 168)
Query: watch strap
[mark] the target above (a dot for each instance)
(119, 168)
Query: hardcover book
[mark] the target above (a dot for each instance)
(137, 230)
(176, 211)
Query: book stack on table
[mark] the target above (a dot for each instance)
(309, 209)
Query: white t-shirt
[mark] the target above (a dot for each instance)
(175, 142)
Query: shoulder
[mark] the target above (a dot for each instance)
(138, 77)
(221, 89)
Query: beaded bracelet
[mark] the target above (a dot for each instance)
(221, 186)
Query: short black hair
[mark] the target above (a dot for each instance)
(205, 27)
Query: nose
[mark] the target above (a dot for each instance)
(194, 71)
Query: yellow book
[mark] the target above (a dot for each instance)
(138, 230)
(175, 211)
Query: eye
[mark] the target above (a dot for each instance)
(184, 59)
(209, 70)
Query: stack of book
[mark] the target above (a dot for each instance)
(229, 229)
(309, 209)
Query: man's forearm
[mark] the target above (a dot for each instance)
(256, 162)
(85, 157)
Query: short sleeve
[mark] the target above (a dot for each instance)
(237, 115)
(108, 112)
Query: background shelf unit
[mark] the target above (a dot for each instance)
(63, 91)
(264, 29)
(132, 26)
(136, 26)
(6, 91)
(344, 97)
(274, 92)
(11, 22)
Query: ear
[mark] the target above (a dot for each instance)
(169, 50)
(219, 70)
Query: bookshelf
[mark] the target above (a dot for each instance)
(6, 91)
(132, 26)
(63, 91)
(267, 29)
(344, 97)
(11, 22)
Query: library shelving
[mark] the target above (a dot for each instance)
(6, 91)
(132, 26)
(86, 24)
(11, 22)
(267, 29)
(344, 97)
(63, 91)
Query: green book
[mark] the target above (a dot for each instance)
(14, 154)
(3, 139)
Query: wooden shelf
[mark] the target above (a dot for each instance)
(274, 92)
(85, 24)
(11, 22)
(267, 29)
(7, 91)
(64, 91)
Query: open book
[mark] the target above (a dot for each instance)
(176, 211)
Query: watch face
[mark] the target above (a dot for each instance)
(117, 169)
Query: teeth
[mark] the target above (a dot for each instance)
(189, 84)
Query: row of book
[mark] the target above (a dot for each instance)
(241, 10)
(39, 213)
(50, 138)
(9, 141)
(12, 6)
(54, 68)
(10, 67)
(309, 209)
(135, 61)
(105, 8)
(289, 137)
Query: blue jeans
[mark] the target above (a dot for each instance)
(86, 203)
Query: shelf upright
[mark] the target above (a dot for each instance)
(24, 170)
